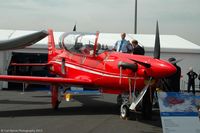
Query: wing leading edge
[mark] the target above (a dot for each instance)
(21, 42)
(46, 80)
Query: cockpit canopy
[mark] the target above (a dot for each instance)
(83, 43)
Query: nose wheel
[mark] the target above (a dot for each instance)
(124, 111)
(123, 101)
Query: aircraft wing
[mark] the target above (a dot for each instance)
(23, 41)
(46, 80)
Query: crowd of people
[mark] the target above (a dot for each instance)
(171, 83)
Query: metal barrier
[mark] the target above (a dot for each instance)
(184, 85)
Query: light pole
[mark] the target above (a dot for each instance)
(135, 28)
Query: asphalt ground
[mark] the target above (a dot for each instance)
(31, 113)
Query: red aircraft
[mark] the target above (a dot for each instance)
(80, 61)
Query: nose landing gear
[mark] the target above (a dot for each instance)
(123, 101)
(129, 103)
(124, 111)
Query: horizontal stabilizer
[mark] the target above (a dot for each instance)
(23, 41)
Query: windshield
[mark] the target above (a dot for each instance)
(83, 43)
(78, 42)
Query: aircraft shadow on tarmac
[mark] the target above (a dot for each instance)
(91, 105)
(21, 102)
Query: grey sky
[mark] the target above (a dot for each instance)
(179, 17)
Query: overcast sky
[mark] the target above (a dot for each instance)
(178, 17)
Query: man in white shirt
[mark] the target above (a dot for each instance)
(123, 45)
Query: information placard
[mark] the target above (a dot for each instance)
(178, 112)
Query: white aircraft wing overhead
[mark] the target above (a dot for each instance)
(23, 41)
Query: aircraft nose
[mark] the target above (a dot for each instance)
(161, 69)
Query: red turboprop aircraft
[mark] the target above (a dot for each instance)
(80, 61)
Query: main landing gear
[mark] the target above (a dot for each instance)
(55, 97)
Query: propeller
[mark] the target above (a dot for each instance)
(157, 43)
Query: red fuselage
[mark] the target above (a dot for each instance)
(104, 72)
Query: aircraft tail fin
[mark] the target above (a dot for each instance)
(51, 45)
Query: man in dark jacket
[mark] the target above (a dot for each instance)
(191, 80)
(173, 81)
(137, 49)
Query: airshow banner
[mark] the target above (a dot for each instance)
(178, 112)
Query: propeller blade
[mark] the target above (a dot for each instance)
(157, 43)
(147, 65)
(140, 96)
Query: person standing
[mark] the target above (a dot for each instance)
(191, 80)
(199, 80)
(173, 81)
(137, 49)
(123, 45)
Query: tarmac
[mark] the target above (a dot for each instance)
(31, 113)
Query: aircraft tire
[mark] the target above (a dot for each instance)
(124, 112)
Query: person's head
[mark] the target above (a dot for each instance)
(123, 35)
(134, 43)
(98, 46)
(190, 69)
(172, 60)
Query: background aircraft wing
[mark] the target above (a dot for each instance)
(23, 41)
(46, 80)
